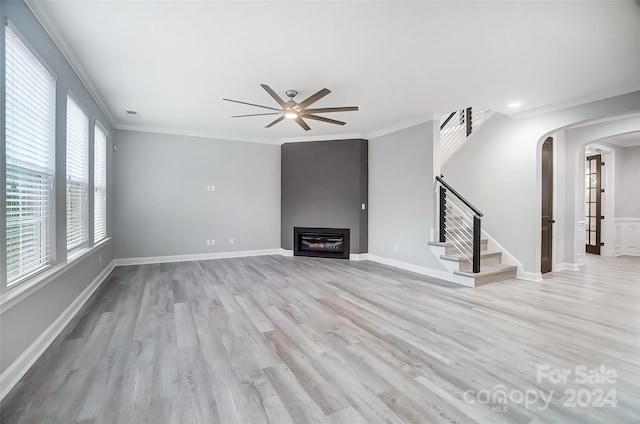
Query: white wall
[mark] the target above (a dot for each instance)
(627, 224)
(576, 140)
(27, 323)
(628, 183)
(498, 171)
(402, 195)
(163, 208)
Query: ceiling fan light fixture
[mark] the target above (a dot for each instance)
(291, 114)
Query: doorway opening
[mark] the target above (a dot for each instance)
(593, 201)
(546, 253)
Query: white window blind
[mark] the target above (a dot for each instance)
(30, 147)
(100, 185)
(77, 175)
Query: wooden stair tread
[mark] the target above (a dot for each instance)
(488, 270)
(449, 244)
(460, 257)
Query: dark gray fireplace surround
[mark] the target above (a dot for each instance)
(324, 185)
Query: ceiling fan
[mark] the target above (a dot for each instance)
(296, 111)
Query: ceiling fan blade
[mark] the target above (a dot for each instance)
(323, 119)
(275, 122)
(302, 124)
(312, 99)
(257, 114)
(332, 109)
(250, 104)
(274, 95)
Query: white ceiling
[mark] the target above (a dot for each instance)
(400, 62)
(625, 140)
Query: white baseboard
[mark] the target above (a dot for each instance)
(352, 256)
(566, 266)
(529, 276)
(196, 257)
(20, 366)
(358, 256)
(423, 270)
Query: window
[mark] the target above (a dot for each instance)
(100, 185)
(30, 152)
(77, 175)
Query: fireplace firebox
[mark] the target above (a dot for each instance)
(321, 242)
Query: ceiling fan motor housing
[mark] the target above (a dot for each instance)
(291, 93)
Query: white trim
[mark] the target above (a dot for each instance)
(352, 256)
(566, 266)
(358, 256)
(20, 366)
(195, 257)
(198, 134)
(67, 53)
(332, 137)
(15, 295)
(508, 258)
(627, 237)
(399, 127)
(529, 276)
(423, 270)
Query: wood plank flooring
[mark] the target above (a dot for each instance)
(301, 340)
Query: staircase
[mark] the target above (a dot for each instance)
(457, 127)
(461, 246)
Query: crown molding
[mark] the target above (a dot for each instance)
(199, 134)
(67, 52)
(398, 127)
(349, 136)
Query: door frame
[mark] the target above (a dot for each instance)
(552, 207)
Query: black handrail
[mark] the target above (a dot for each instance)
(459, 196)
(446, 121)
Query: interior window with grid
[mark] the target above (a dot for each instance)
(30, 152)
(77, 176)
(100, 185)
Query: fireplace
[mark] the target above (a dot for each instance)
(321, 242)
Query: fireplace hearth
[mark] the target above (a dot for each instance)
(321, 242)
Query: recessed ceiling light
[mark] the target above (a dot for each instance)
(515, 105)
(132, 114)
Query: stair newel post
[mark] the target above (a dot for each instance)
(443, 218)
(469, 121)
(476, 243)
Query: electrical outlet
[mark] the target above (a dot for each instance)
(208, 242)
(231, 241)
(395, 247)
(364, 206)
(213, 242)
(213, 187)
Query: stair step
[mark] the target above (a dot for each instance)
(451, 249)
(490, 274)
(459, 257)
(487, 257)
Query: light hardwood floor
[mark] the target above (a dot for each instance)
(301, 340)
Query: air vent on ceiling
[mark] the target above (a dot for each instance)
(132, 114)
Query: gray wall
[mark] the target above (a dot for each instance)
(402, 196)
(23, 323)
(324, 184)
(628, 182)
(163, 208)
(498, 170)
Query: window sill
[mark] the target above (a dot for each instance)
(15, 295)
